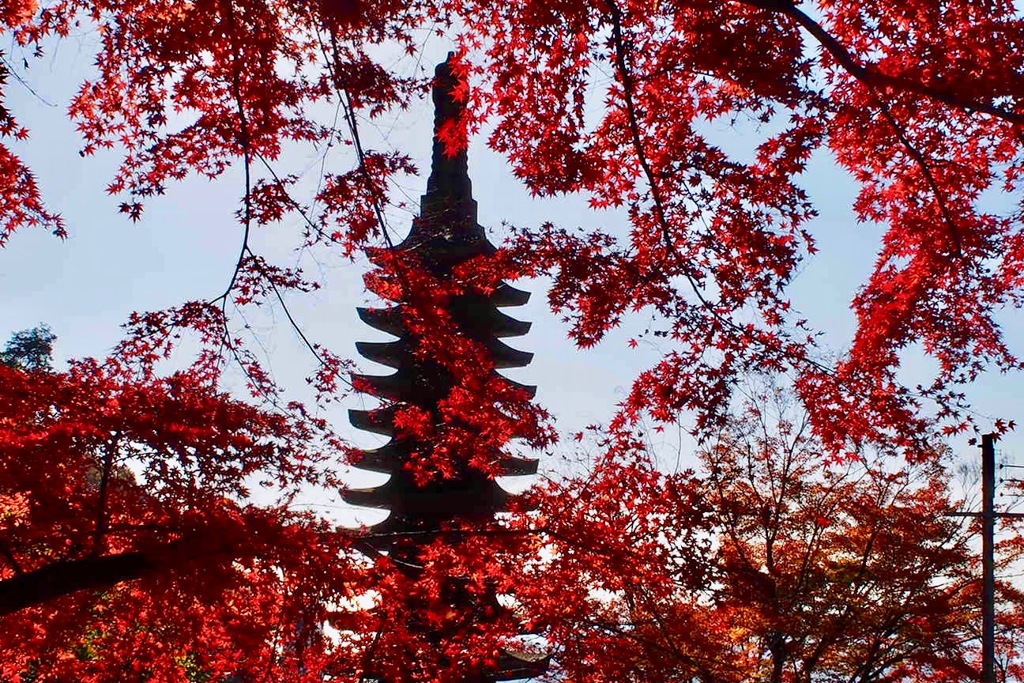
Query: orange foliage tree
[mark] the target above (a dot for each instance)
(770, 563)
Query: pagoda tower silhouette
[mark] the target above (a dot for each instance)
(444, 236)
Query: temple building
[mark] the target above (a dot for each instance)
(444, 236)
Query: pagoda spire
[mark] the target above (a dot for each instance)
(446, 231)
(444, 236)
(449, 187)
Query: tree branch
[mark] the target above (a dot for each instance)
(871, 76)
(9, 556)
(70, 576)
(926, 170)
(33, 588)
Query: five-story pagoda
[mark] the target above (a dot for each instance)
(443, 456)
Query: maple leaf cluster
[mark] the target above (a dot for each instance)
(913, 102)
(917, 105)
(130, 542)
(131, 550)
(22, 203)
(482, 411)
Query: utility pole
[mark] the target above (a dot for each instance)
(988, 517)
(988, 559)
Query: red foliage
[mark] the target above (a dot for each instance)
(128, 537)
(769, 564)
(21, 202)
(920, 104)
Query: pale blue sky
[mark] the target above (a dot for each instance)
(185, 246)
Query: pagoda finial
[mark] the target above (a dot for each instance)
(448, 187)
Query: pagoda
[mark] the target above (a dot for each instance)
(444, 236)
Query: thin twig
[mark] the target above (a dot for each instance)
(922, 162)
(628, 87)
(9, 69)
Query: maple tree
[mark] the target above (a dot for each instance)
(125, 524)
(123, 477)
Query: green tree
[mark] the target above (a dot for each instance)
(30, 349)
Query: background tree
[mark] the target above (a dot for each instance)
(845, 569)
(771, 563)
(30, 349)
